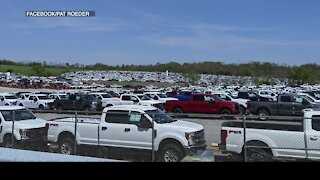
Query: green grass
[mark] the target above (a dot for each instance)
(27, 70)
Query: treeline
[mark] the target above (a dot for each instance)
(307, 73)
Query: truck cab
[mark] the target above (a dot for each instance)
(7, 99)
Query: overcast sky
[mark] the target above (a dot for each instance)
(151, 31)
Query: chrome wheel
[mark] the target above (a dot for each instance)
(171, 156)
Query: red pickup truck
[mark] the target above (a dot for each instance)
(203, 103)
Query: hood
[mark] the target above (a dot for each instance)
(110, 99)
(184, 126)
(30, 124)
(170, 99)
(12, 100)
(47, 101)
(151, 102)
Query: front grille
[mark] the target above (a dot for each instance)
(36, 134)
(199, 137)
(159, 106)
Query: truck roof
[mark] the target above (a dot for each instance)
(11, 108)
(130, 107)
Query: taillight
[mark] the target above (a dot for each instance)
(224, 135)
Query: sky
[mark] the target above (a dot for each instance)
(285, 32)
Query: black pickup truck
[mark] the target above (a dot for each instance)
(82, 102)
(286, 104)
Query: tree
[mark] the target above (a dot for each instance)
(38, 70)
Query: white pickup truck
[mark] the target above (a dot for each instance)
(7, 99)
(266, 140)
(36, 101)
(108, 100)
(141, 99)
(128, 127)
(28, 130)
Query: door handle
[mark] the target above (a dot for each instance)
(104, 128)
(126, 129)
(314, 138)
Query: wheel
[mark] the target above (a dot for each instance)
(87, 108)
(66, 145)
(171, 153)
(177, 110)
(263, 115)
(242, 110)
(7, 104)
(109, 105)
(7, 142)
(20, 104)
(225, 112)
(41, 107)
(59, 108)
(258, 155)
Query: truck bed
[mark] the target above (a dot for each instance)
(266, 125)
(80, 120)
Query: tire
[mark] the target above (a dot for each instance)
(177, 110)
(41, 107)
(59, 108)
(20, 104)
(87, 109)
(258, 155)
(66, 146)
(171, 153)
(225, 112)
(6, 104)
(263, 115)
(109, 105)
(7, 142)
(242, 110)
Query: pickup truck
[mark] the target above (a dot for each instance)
(128, 127)
(287, 104)
(84, 102)
(7, 99)
(36, 101)
(28, 130)
(274, 140)
(182, 96)
(140, 99)
(107, 100)
(203, 103)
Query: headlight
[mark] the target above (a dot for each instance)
(190, 138)
(23, 133)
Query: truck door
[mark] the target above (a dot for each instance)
(198, 104)
(113, 128)
(300, 104)
(313, 137)
(30, 102)
(286, 105)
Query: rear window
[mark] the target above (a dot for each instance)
(316, 123)
(119, 117)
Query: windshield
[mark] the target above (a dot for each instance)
(162, 95)
(144, 97)
(19, 115)
(11, 97)
(308, 98)
(160, 117)
(44, 97)
(106, 95)
(63, 96)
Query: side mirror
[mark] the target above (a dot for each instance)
(212, 101)
(35, 99)
(145, 123)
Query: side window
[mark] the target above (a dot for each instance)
(126, 98)
(22, 96)
(298, 99)
(119, 117)
(316, 123)
(72, 97)
(31, 98)
(207, 98)
(78, 98)
(135, 118)
(285, 98)
(198, 98)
